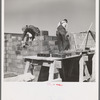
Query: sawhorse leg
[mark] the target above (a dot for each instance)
(51, 71)
(93, 69)
(81, 69)
(26, 67)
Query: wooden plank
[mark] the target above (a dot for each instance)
(48, 58)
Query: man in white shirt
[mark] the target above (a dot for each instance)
(62, 35)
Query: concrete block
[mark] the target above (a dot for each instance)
(44, 33)
(31, 53)
(37, 38)
(41, 37)
(19, 38)
(36, 48)
(8, 44)
(35, 42)
(8, 36)
(51, 42)
(44, 48)
(14, 47)
(5, 60)
(18, 61)
(10, 40)
(11, 52)
(54, 38)
(9, 48)
(24, 52)
(48, 38)
(17, 52)
(54, 47)
(5, 67)
(44, 43)
(6, 48)
(9, 60)
(19, 57)
(7, 56)
(20, 66)
(55, 51)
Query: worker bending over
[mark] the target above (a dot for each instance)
(29, 33)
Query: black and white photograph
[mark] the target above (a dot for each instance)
(50, 41)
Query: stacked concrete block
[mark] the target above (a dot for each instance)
(12, 63)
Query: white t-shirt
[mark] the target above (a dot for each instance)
(29, 34)
(64, 24)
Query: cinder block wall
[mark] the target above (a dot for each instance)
(13, 54)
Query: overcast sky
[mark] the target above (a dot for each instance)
(46, 14)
